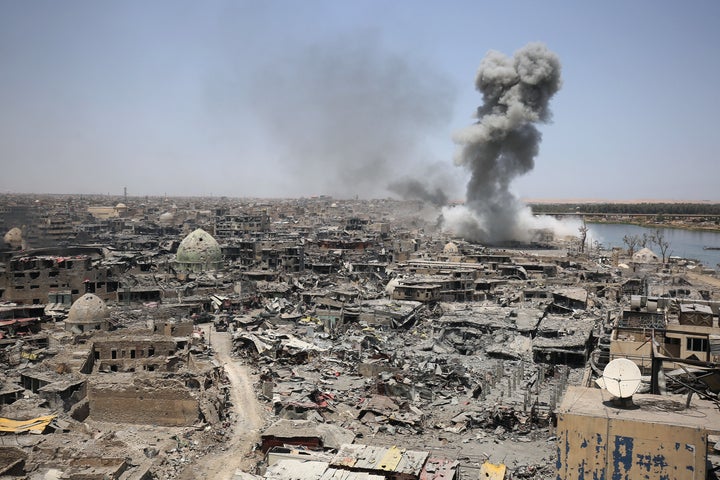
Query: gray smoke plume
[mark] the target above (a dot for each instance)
(504, 142)
(414, 189)
(429, 183)
(349, 114)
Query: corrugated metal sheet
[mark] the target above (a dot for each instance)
(368, 457)
(296, 470)
(337, 474)
(412, 462)
(439, 469)
(491, 471)
(346, 457)
(392, 459)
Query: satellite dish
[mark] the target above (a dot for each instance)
(621, 378)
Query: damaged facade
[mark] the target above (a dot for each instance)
(377, 346)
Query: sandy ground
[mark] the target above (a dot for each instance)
(706, 279)
(249, 415)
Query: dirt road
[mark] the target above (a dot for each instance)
(249, 414)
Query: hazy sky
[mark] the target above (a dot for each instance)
(289, 98)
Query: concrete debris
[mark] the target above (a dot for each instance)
(316, 338)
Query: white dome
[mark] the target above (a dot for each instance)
(13, 237)
(89, 311)
(167, 218)
(450, 249)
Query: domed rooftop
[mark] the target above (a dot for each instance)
(166, 218)
(88, 309)
(13, 237)
(199, 252)
(450, 249)
(120, 206)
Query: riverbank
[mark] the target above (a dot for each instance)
(683, 242)
(676, 224)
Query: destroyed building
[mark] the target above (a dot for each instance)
(374, 345)
(30, 277)
(233, 225)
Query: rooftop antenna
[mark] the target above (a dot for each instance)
(621, 378)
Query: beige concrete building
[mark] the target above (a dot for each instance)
(656, 437)
(105, 213)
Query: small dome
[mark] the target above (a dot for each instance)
(167, 218)
(88, 310)
(450, 249)
(120, 206)
(645, 256)
(13, 237)
(199, 252)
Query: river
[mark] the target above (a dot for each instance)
(683, 243)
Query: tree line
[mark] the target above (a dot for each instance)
(629, 208)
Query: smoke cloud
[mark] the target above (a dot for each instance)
(432, 183)
(349, 114)
(412, 188)
(503, 143)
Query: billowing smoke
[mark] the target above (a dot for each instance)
(503, 143)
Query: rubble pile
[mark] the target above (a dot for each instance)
(358, 322)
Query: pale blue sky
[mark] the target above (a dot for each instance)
(288, 98)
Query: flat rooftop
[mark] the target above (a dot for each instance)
(664, 409)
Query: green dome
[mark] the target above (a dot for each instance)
(198, 252)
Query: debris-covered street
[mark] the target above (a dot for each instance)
(328, 330)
